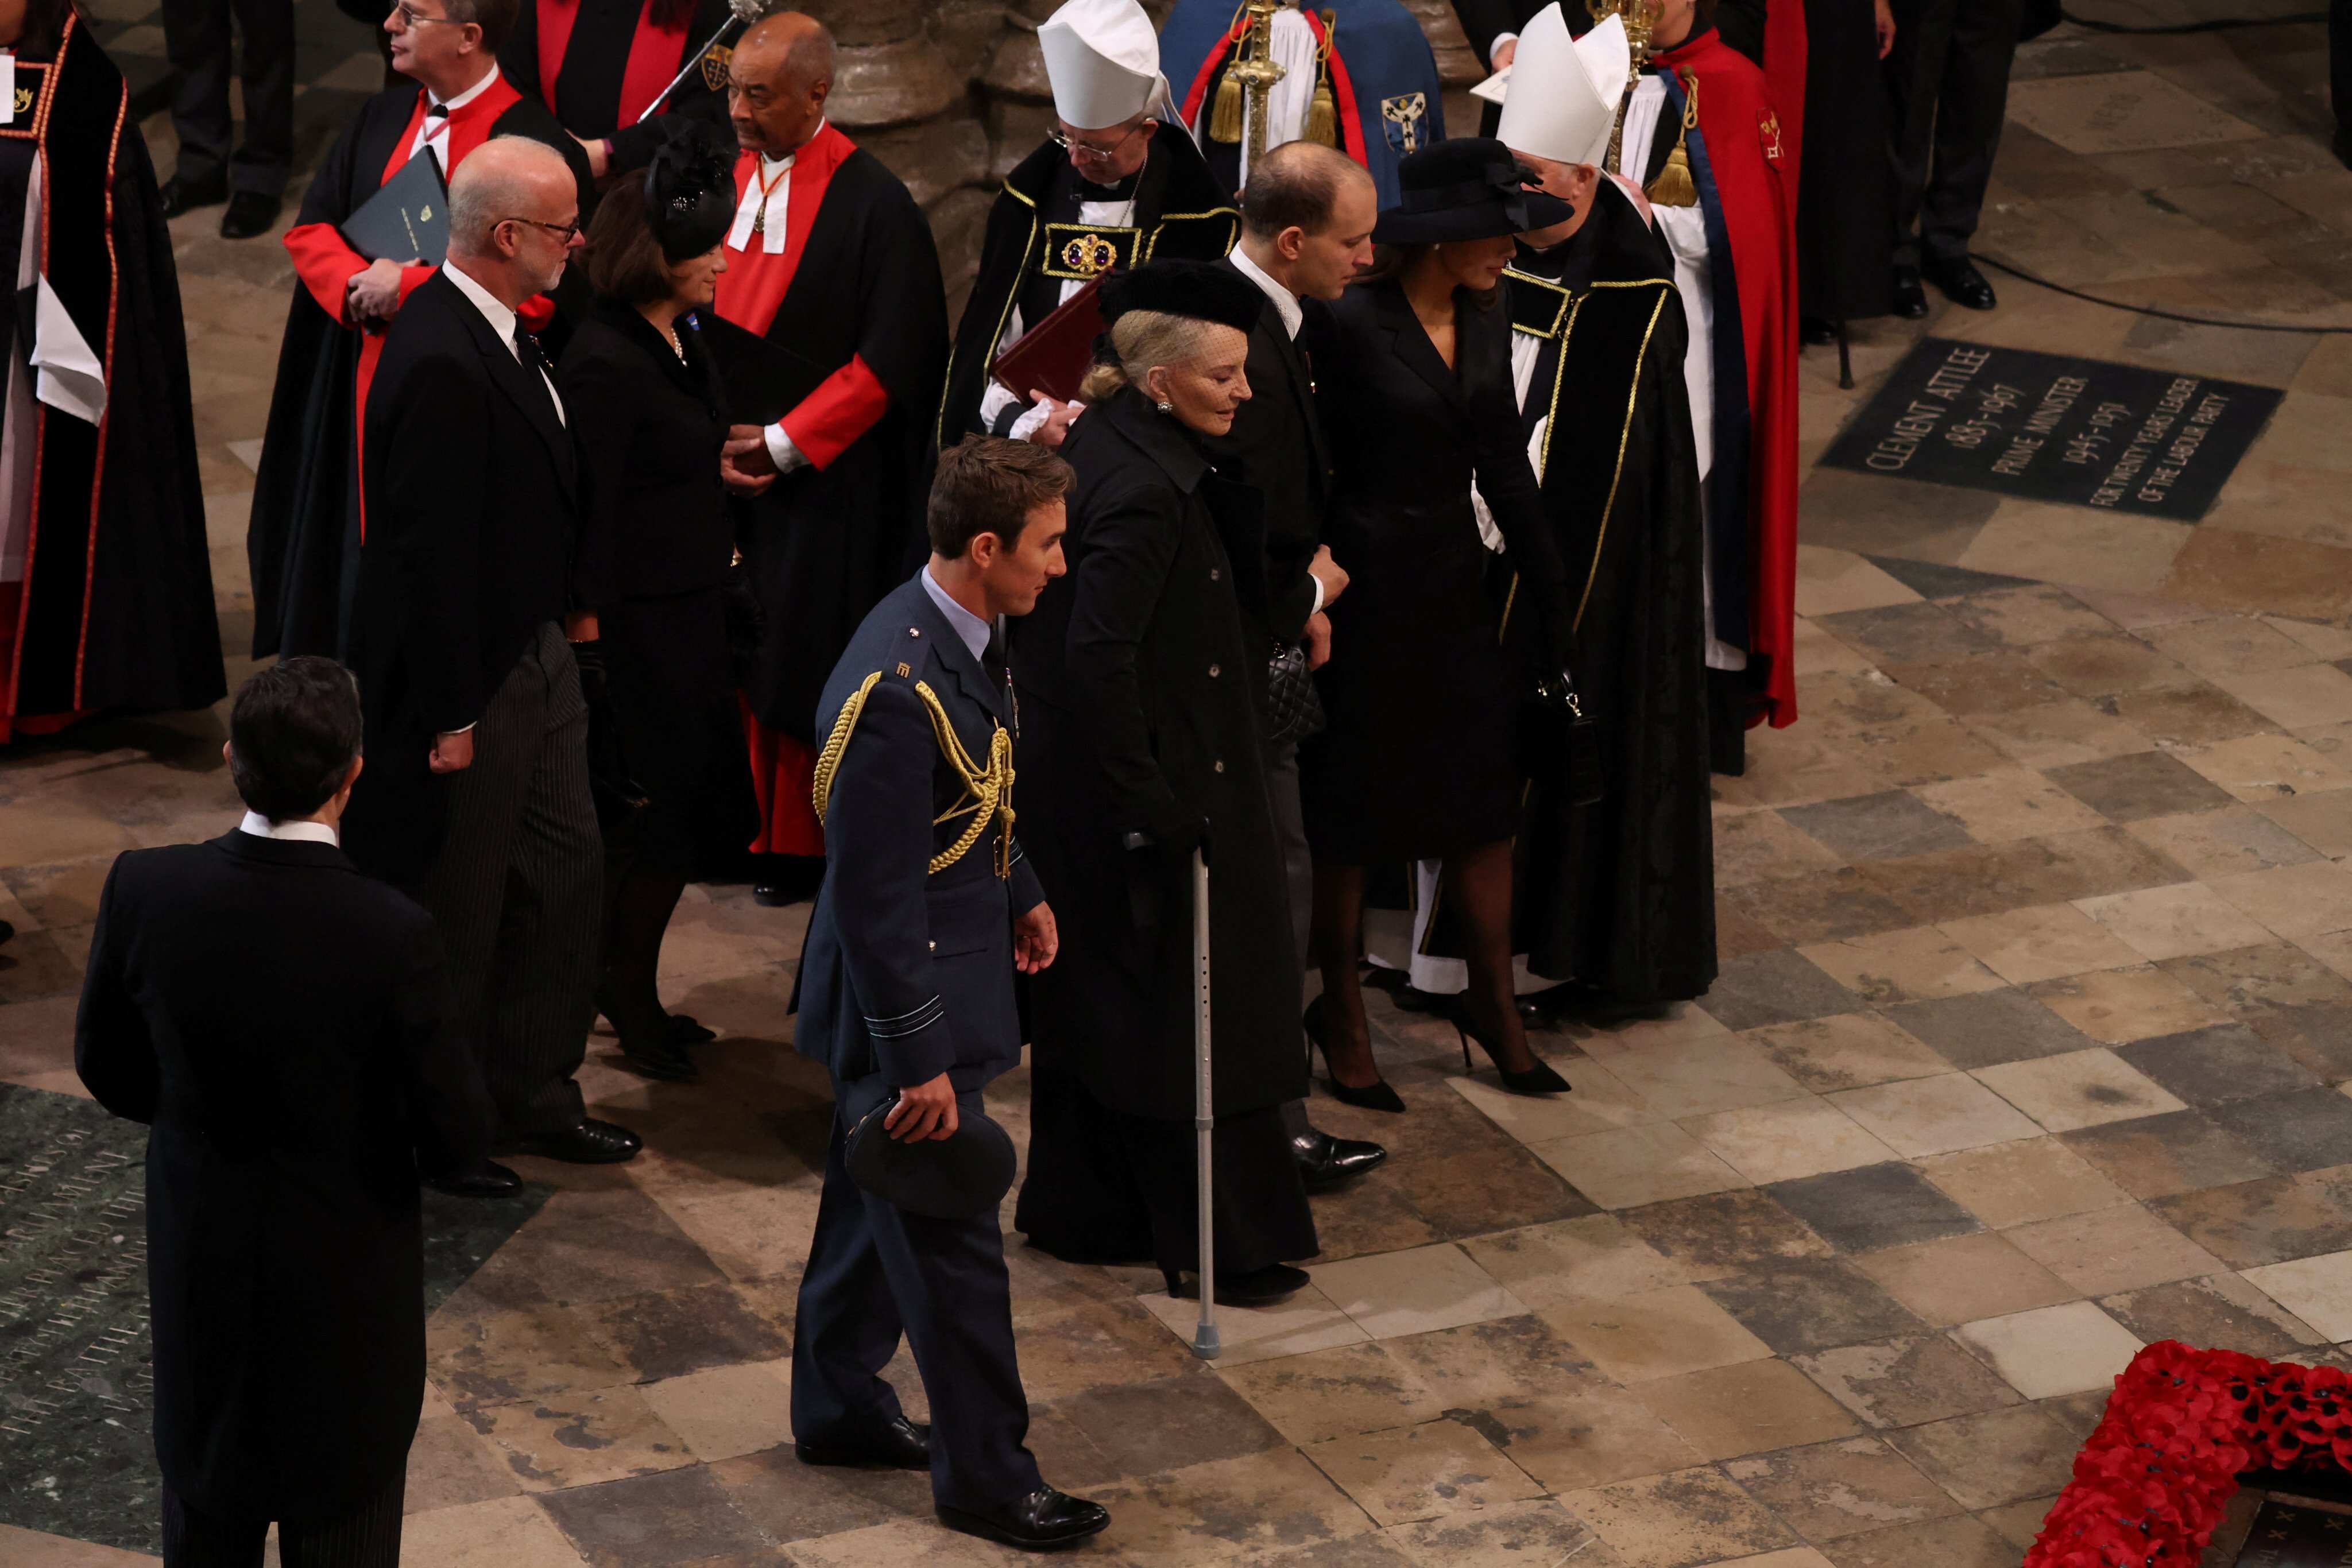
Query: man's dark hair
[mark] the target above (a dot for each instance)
(986, 484)
(1295, 186)
(292, 735)
(624, 259)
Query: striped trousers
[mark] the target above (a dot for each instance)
(517, 890)
(367, 1537)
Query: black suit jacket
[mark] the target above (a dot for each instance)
(1483, 21)
(1277, 444)
(474, 499)
(275, 1017)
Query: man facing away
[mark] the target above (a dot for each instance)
(278, 1019)
(478, 793)
(908, 994)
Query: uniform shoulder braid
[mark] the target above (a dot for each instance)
(987, 789)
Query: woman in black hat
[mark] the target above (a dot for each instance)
(1416, 394)
(641, 395)
(1137, 676)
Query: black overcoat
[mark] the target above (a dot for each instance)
(1139, 713)
(276, 1017)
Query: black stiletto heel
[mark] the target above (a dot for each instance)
(1374, 1096)
(1537, 1079)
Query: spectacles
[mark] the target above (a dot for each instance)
(1075, 147)
(563, 232)
(410, 17)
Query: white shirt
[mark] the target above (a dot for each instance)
(261, 827)
(970, 628)
(435, 131)
(503, 321)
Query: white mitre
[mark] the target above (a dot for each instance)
(1103, 60)
(1561, 100)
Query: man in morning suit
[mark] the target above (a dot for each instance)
(1306, 228)
(278, 1019)
(907, 991)
(478, 795)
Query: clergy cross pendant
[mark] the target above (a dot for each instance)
(759, 219)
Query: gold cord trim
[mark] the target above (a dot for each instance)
(988, 791)
(1632, 397)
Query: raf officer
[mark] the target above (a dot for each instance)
(926, 910)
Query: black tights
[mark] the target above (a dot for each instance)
(638, 903)
(1476, 884)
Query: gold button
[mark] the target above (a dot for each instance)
(1220, 765)
(1213, 672)
(1217, 574)
(935, 947)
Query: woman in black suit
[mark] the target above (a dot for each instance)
(643, 401)
(1415, 390)
(1137, 684)
(598, 64)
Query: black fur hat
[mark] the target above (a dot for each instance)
(1202, 290)
(690, 196)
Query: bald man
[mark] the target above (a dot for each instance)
(830, 262)
(475, 798)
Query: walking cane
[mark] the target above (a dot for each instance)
(1204, 1120)
(746, 12)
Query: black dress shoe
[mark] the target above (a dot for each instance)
(1325, 1162)
(483, 1179)
(1039, 1523)
(1815, 332)
(187, 195)
(903, 1445)
(1904, 297)
(250, 213)
(661, 1058)
(1962, 284)
(592, 1143)
(684, 1030)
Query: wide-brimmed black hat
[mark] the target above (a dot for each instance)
(1202, 290)
(689, 196)
(946, 1178)
(1468, 188)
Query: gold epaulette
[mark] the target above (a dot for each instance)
(988, 791)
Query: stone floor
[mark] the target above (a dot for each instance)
(2032, 1042)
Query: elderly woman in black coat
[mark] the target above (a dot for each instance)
(642, 396)
(1137, 689)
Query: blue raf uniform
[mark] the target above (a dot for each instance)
(906, 974)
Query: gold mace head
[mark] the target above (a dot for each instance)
(1640, 18)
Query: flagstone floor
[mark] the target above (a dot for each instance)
(2032, 1042)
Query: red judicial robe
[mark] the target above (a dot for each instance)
(1744, 164)
(113, 604)
(307, 519)
(854, 317)
(598, 63)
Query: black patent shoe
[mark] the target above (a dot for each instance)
(903, 1445)
(684, 1030)
(1041, 1521)
(1904, 297)
(1374, 1096)
(483, 1179)
(250, 213)
(589, 1142)
(1258, 1288)
(187, 195)
(1325, 1162)
(1962, 284)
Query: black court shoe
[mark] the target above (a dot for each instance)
(1258, 1288)
(1041, 1521)
(1374, 1096)
(1537, 1079)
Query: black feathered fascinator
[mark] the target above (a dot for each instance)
(689, 197)
(1202, 290)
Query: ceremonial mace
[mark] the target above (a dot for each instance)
(1639, 21)
(1248, 81)
(744, 13)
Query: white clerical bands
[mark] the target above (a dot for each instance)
(913, 1022)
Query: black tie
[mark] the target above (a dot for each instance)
(527, 348)
(991, 659)
(436, 111)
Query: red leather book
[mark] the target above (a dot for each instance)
(1052, 357)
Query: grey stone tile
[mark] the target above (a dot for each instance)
(2302, 1130)
(1873, 1208)
(1986, 1029)
(1779, 987)
(2139, 784)
(2181, 1151)
(1800, 1305)
(2213, 1065)
(653, 1522)
(1922, 633)
(1878, 827)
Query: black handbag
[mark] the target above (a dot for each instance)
(1558, 743)
(1294, 709)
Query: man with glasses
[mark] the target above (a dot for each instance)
(1107, 191)
(308, 519)
(476, 797)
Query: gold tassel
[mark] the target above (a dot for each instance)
(1673, 187)
(1225, 117)
(1322, 110)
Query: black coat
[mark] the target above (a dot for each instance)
(276, 1017)
(1484, 21)
(656, 543)
(586, 95)
(1420, 692)
(472, 546)
(1139, 704)
(1275, 447)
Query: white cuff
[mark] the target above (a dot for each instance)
(1319, 597)
(1500, 39)
(1030, 420)
(782, 451)
(461, 728)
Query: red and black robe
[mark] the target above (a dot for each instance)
(855, 321)
(598, 63)
(307, 521)
(106, 588)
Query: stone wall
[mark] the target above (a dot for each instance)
(953, 93)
